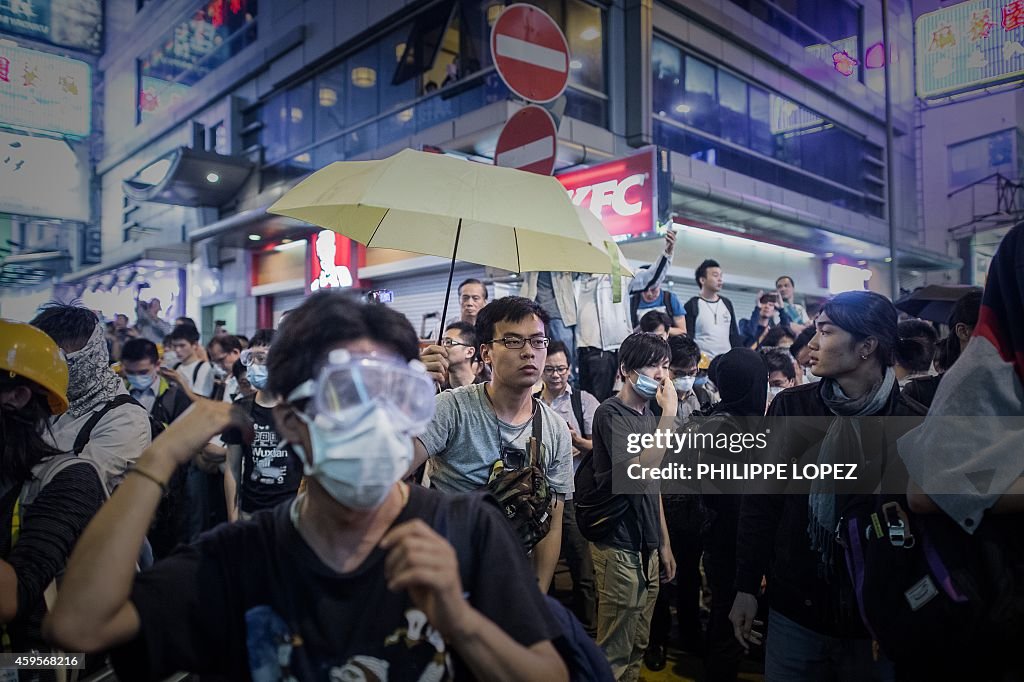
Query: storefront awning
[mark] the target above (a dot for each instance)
(189, 177)
(171, 253)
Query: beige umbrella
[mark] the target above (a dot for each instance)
(443, 206)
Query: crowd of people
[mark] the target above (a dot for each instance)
(305, 504)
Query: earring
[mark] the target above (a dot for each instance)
(863, 357)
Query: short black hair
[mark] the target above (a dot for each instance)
(915, 349)
(505, 309)
(643, 349)
(702, 270)
(139, 349)
(685, 351)
(186, 321)
(866, 314)
(651, 320)
(556, 346)
(66, 324)
(262, 337)
(779, 360)
(802, 339)
(776, 334)
(227, 343)
(467, 332)
(325, 320)
(242, 339)
(237, 369)
(183, 332)
(472, 280)
(782, 277)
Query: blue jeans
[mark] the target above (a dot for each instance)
(797, 654)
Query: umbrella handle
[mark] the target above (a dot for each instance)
(448, 291)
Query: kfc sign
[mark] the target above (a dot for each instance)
(621, 193)
(333, 260)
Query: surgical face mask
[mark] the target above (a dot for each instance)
(645, 386)
(701, 380)
(774, 391)
(357, 465)
(169, 359)
(257, 375)
(218, 371)
(141, 382)
(809, 376)
(684, 384)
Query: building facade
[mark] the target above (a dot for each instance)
(766, 119)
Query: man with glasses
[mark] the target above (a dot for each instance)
(577, 409)
(478, 424)
(224, 351)
(460, 340)
(262, 474)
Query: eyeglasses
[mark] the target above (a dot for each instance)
(448, 343)
(517, 342)
(556, 370)
(250, 357)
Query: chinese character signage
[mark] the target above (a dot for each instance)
(77, 24)
(45, 92)
(969, 45)
(209, 36)
(621, 193)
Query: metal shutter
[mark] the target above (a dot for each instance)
(285, 302)
(421, 293)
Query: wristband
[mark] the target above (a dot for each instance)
(145, 474)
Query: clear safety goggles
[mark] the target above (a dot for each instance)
(350, 384)
(250, 357)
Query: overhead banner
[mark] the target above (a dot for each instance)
(621, 193)
(969, 45)
(44, 92)
(77, 24)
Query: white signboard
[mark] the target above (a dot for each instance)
(43, 178)
(44, 92)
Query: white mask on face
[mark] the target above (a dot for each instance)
(774, 391)
(358, 465)
(809, 378)
(683, 384)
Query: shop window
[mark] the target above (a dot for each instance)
(300, 116)
(721, 119)
(209, 35)
(331, 94)
(421, 45)
(391, 49)
(977, 159)
(584, 32)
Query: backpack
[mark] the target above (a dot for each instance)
(576, 400)
(634, 307)
(585, 660)
(598, 511)
(523, 494)
(925, 588)
(82, 439)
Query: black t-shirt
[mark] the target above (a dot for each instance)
(270, 474)
(251, 600)
(641, 528)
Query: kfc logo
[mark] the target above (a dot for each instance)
(620, 193)
(611, 193)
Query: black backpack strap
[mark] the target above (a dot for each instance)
(86, 432)
(195, 372)
(538, 433)
(634, 306)
(666, 300)
(576, 397)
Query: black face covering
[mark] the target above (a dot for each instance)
(21, 443)
(741, 376)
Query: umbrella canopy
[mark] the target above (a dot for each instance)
(934, 302)
(442, 206)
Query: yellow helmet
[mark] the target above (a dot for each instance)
(30, 353)
(705, 361)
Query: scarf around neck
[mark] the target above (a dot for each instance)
(90, 381)
(841, 445)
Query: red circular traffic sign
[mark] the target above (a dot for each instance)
(528, 142)
(530, 53)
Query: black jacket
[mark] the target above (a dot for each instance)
(693, 310)
(772, 538)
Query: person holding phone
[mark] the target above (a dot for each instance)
(765, 317)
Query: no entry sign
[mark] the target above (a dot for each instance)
(530, 53)
(528, 142)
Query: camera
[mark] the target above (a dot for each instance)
(380, 296)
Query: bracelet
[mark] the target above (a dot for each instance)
(145, 474)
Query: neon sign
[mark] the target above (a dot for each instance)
(969, 45)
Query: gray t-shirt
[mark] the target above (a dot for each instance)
(462, 441)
